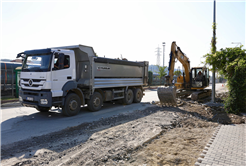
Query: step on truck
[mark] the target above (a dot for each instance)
(73, 76)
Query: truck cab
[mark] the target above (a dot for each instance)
(44, 75)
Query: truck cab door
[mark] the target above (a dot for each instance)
(62, 72)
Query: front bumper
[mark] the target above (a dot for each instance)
(32, 98)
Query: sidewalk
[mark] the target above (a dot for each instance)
(226, 147)
(11, 104)
(9, 101)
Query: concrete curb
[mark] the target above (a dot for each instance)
(9, 101)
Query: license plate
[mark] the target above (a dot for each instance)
(29, 98)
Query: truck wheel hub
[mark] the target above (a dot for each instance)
(138, 95)
(129, 96)
(73, 105)
(96, 102)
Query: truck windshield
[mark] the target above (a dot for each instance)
(38, 63)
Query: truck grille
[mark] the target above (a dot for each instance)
(32, 85)
(32, 82)
(31, 93)
(30, 101)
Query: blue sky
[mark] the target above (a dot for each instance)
(133, 29)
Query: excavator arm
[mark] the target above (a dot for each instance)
(176, 53)
(167, 94)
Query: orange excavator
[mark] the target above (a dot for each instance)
(192, 82)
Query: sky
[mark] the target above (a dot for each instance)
(131, 29)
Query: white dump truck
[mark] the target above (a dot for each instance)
(72, 76)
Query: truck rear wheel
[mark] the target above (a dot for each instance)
(72, 105)
(138, 95)
(95, 102)
(43, 109)
(128, 99)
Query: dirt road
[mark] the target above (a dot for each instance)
(90, 143)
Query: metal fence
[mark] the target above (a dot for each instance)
(158, 82)
(8, 83)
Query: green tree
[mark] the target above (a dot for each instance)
(162, 72)
(177, 73)
(150, 77)
(231, 63)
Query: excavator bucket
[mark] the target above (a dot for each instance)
(167, 95)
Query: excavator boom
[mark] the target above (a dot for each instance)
(167, 94)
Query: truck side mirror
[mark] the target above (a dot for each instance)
(22, 54)
(61, 60)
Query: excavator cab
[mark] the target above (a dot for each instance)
(199, 78)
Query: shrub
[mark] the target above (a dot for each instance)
(231, 62)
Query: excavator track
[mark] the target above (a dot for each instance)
(201, 94)
(167, 95)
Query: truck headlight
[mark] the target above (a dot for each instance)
(43, 101)
(20, 98)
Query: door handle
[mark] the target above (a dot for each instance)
(69, 77)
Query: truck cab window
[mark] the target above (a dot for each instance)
(66, 62)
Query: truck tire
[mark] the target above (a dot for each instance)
(43, 109)
(72, 105)
(138, 95)
(95, 103)
(128, 99)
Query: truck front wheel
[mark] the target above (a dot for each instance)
(43, 109)
(128, 99)
(72, 105)
(95, 102)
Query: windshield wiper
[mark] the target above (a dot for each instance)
(25, 69)
(40, 70)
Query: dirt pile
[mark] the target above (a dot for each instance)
(179, 146)
(215, 112)
(222, 95)
(205, 109)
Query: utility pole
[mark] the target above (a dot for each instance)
(163, 53)
(158, 54)
(214, 40)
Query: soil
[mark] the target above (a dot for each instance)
(184, 143)
(157, 135)
(180, 146)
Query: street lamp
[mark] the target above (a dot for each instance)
(163, 52)
(237, 43)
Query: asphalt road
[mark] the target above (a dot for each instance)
(19, 123)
